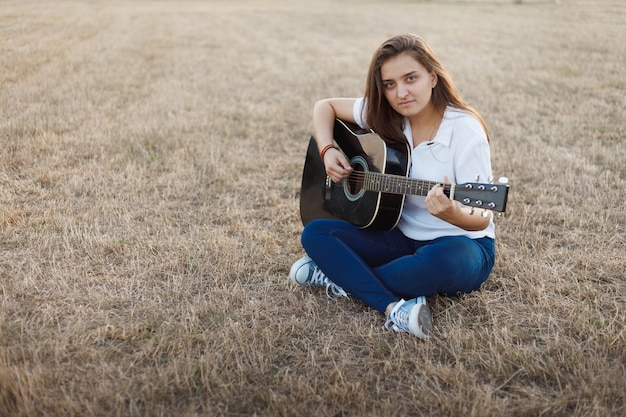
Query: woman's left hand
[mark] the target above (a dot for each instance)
(440, 205)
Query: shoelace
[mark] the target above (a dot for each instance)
(320, 279)
(336, 290)
(399, 318)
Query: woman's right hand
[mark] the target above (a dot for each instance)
(337, 165)
(324, 114)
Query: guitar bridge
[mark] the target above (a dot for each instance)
(328, 188)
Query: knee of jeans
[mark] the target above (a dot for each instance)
(304, 237)
(318, 229)
(311, 230)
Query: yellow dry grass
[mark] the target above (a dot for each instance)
(150, 163)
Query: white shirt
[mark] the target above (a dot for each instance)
(459, 150)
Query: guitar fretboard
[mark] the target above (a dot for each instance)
(396, 184)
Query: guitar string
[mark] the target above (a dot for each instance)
(390, 181)
(395, 184)
(399, 185)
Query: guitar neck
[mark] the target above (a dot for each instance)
(396, 184)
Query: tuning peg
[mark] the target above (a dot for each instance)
(503, 180)
(471, 211)
(477, 178)
(485, 213)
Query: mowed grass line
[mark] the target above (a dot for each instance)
(150, 163)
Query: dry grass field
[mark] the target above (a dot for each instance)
(150, 161)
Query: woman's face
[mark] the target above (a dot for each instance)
(407, 85)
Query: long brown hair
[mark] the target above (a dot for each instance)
(380, 116)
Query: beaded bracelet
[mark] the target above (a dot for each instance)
(325, 149)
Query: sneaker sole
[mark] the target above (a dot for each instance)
(421, 321)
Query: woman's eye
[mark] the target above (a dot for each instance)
(388, 85)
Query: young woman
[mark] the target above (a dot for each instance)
(438, 246)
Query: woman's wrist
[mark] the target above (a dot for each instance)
(326, 149)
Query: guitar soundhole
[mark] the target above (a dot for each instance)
(355, 181)
(353, 186)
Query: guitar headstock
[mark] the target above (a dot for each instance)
(480, 195)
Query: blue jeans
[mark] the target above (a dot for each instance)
(380, 267)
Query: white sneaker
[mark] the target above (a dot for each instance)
(411, 316)
(305, 272)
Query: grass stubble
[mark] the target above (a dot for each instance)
(149, 174)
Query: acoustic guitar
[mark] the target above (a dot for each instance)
(373, 195)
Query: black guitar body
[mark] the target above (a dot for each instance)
(348, 200)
